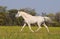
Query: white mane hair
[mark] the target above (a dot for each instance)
(29, 19)
(24, 13)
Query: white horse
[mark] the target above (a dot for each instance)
(29, 19)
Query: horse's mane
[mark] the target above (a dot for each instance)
(26, 13)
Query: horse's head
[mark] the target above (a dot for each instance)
(18, 14)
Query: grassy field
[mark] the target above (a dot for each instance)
(13, 32)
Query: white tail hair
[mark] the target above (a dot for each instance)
(48, 19)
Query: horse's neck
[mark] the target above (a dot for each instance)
(26, 15)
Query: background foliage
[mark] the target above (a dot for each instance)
(7, 17)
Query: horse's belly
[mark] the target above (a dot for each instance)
(31, 21)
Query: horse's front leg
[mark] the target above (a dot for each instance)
(30, 27)
(23, 26)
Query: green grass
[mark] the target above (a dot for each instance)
(13, 32)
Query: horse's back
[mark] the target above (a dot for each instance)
(39, 18)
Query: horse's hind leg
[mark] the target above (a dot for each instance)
(46, 27)
(30, 27)
(23, 26)
(38, 26)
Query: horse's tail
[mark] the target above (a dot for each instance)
(47, 19)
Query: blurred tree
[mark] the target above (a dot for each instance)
(3, 8)
(57, 16)
(2, 14)
(2, 18)
(12, 19)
